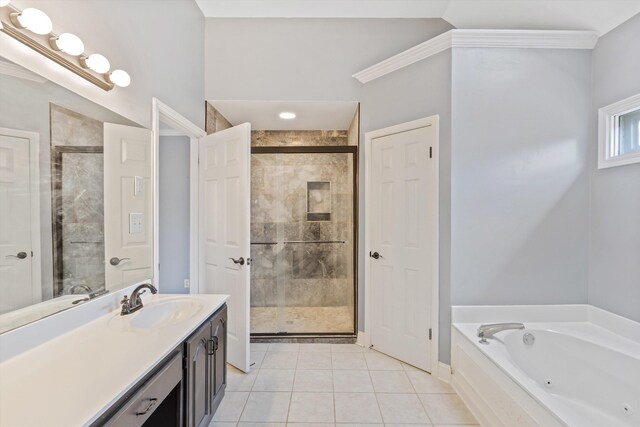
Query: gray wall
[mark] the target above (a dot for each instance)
(520, 176)
(313, 59)
(160, 44)
(174, 213)
(420, 90)
(614, 255)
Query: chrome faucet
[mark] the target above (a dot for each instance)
(490, 329)
(134, 303)
(91, 295)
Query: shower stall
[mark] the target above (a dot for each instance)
(303, 240)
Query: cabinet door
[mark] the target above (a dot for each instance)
(219, 346)
(198, 389)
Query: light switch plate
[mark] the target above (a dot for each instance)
(136, 223)
(138, 189)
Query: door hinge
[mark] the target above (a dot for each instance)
(431, 152)
(430, 334)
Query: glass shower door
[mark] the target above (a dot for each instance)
(303, 235)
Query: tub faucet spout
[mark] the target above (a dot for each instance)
(490, 329)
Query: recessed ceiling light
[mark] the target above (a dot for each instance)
(287, 115)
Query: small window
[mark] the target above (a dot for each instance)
(619, 133)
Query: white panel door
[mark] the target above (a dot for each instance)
(403, 244)
(15, 224)
(128, 214)
(224, 225)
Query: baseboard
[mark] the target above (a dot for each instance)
(362, 339)
(444, 372)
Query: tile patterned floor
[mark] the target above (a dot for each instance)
(340, 385)
(302, 319)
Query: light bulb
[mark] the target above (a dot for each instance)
(4, 3)
(96, 62)
(287, 115)
(119, 78)
(35, 21)
(68, 43)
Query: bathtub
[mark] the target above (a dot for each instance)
(580, 368)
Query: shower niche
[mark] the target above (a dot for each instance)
(319, 201)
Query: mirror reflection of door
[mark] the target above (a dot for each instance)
(19, 221)
(127, 204)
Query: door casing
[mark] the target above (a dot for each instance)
(365, 337)
(161, 112)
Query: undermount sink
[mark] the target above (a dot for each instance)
(164, 313)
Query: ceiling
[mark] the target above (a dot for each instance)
(596, 15)
(264, 115)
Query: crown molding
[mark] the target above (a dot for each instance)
(515, 39)
(14, 70)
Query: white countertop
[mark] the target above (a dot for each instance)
(73, 379)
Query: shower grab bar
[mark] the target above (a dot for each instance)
(300, 241)
(315, 241)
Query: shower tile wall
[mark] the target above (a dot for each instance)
(293, 274)
(288, 138)
(81, 200)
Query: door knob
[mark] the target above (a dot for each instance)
(19, 255)
(116, 261)
(375, 255)
(238, 261)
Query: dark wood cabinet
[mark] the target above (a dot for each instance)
(219, 361)
(205, 370)
(197, 373)
(185, 389)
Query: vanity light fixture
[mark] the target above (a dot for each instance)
(286, 115)
(119, 78)
(95, 62)
(67, 43)
(33, 28)
(33, 20)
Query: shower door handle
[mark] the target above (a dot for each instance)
(238, 261)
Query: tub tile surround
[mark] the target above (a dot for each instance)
(483, 370)
(334, 385)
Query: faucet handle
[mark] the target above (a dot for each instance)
(126, 306)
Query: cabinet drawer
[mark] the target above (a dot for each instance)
(137, 409)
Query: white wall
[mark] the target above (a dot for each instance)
(614, 255)
(160, 44)
(174, 176)
(520, 176)
(313, 59)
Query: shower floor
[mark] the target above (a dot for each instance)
(264, 320)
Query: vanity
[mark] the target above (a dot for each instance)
(164, 365)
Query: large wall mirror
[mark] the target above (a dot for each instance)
(75, 199)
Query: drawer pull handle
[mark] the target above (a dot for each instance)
(152, 403)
